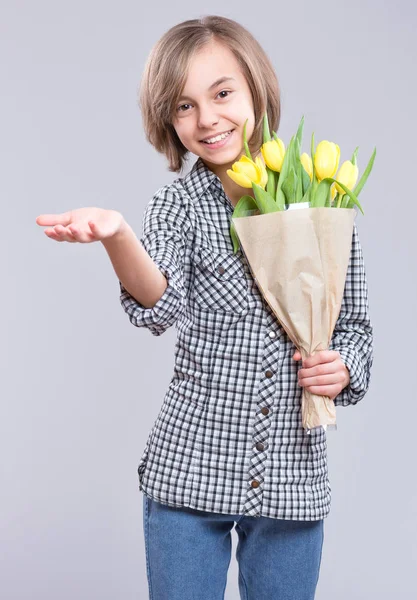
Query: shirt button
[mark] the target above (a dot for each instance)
(265, 410)
(272, 334)
(255, 483)
(220, 270)
(268, 373)
(260, 446)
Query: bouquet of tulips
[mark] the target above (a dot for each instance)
(299, 258)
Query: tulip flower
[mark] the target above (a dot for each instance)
(326, 159)
(307, 164)
(348, 175)
(273, 153)
(245, 171)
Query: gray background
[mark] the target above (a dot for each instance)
(81, 386)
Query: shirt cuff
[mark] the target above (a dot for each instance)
(359, 380)
(163, 314)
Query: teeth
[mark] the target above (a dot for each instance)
(217, 138)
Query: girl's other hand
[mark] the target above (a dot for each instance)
(83, 225)
(324, 374)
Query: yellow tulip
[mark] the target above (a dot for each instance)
(333, 191)
(307, 164)
(245, 171)
(273, 153)
(326, 159)
(264, 173)
(348, 175)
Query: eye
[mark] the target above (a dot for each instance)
(179, 109)
(224, 92)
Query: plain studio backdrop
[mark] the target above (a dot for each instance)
(81, 386)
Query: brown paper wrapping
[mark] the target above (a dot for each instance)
(299, 260)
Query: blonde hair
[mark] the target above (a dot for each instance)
(166, 71)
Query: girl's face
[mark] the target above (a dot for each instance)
(216, 101)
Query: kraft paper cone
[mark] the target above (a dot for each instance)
(299, 259)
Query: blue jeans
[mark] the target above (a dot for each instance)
(188, 554)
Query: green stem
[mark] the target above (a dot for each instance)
(339, 202)
(271, 185)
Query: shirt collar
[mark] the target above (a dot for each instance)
(199, 179)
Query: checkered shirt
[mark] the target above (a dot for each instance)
(228, 437)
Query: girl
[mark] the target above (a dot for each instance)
(227, 448)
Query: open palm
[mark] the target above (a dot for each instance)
(82, 225)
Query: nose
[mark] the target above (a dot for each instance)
(207, 116)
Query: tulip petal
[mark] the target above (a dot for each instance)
(239, 178)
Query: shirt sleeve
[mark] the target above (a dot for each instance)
(165, 226)
(353, 333)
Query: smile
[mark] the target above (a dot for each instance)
(217, 138)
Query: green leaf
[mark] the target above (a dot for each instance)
(245, 207)
(354, 156)
(286, 164)
(245, 141)
(328, 203)
(299, 134)
(298, 196)
(264, 201)
(322, 193)
(266, 132)
(305, 180)
(313, 155)
(306, 197)
(314, 182)
(365, 174)
(347, 191)
(289, 187)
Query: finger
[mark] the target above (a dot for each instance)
(59, 219)
(96, 230)
(52, 234)
(332, 379)
(64, 233)
(321, 369)
(297, 355)
(81, 235)
(323, 356)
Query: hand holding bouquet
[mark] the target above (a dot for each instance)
(299, 258)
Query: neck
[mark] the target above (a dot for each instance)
(233, 191)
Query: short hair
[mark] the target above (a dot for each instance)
(166, 72)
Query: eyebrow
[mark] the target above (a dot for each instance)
(213, 85)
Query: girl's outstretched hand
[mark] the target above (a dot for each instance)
(83, 225)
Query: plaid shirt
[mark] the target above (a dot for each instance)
(228, 437)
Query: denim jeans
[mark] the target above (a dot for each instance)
(188, 554)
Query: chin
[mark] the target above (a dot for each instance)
(228, 157)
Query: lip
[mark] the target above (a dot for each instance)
(219, 144)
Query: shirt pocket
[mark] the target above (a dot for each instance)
(220, 282)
